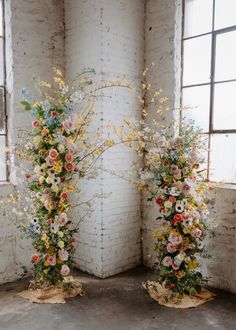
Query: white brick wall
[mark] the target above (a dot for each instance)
(108, 36)
(163, 48)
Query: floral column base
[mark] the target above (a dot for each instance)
(165, 297)
(53, 294)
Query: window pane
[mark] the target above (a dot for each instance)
(2, 110)
(197, 53)
(1, 61)
(195, 9)
(223, 158)
(198, 98)
(225, 13)
(225, 106)
(225, 67)
(1, 20)
(2, 159)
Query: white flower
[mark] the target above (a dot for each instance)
(54, 228)
(38, 170)
(37, 229)
(55, 180)
(61, 148)
(174, 191)
(179, 206)
(61, 220)
(34, 221)
(65, 270)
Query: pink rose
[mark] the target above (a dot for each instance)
(35, 123)
(177, 175)
(186, 187)
(185, 170)
(47, 192)
(72, 246)
(63, 255)
(68, 125)
(52, 260)
(62, 219)
(174, 169)
(171, 247)
(44, 132)
(53, 114)
(65, 270)
(175, 238)
(175, 266)
(167, 261)
(196, 232)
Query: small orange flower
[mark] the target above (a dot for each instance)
(53, 154)
(35, 258)
(69, 166)
(69, 157)
(64, 195)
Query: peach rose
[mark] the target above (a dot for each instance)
(53, 154)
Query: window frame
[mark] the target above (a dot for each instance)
(5, 132)
(213, 33)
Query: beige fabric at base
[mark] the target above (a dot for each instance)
(163, 296)
(53, 294)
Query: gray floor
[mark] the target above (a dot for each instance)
(115, 303)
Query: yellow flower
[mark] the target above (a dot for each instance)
(45, 84)
(57, 167)
(193, 264)
(60, 234)
(181, 274)
(51, 250)
(36, 105)
(46, 264)
(70, 188)
(42, 152)
(44, 237)
(48, 180)
(41, 179)
(61, 244)
(109, 143)
(168, 204)
(58, 71)
(45, 271)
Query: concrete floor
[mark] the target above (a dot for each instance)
(117, 303)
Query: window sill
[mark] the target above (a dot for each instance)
(228, 186)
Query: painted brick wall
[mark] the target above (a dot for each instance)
(163, 48)
(34, 43)
(108, 36)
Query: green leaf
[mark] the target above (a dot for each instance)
(26, 105)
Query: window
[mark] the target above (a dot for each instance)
(3, 129)
(209, 79)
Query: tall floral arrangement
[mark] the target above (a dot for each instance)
(180, 194)
(174, 181)
(60, 150)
